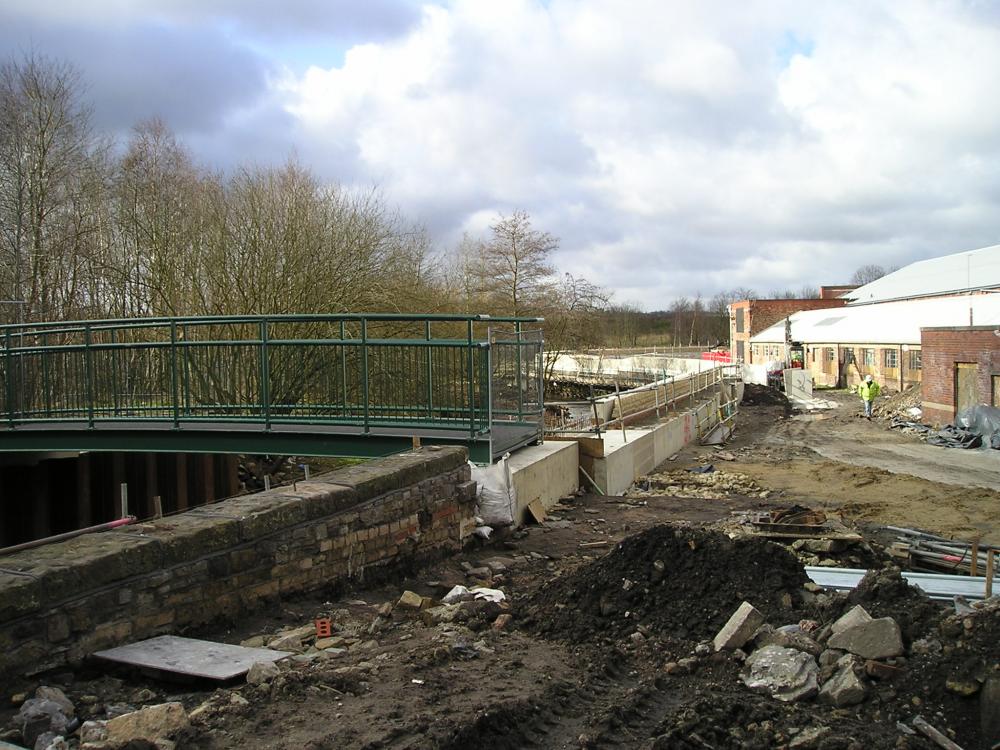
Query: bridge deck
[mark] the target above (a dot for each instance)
(347, 385)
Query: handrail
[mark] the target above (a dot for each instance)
(77, 326)
(265, 369)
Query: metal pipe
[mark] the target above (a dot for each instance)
(68, 535)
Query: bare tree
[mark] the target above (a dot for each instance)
(867, 274)
(512, 267)
(45, 147)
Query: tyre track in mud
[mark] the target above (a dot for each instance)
(610, 708)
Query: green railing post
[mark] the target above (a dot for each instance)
(520, 382)
(430, 372)
(174, 380)
(472, 384)
(89, 374)
(343, 367)
(114, 372)
(10, 379)
(46, 384)
(364, 368)
(186, 372)
(265, 377)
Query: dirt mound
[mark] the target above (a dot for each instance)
(667, 581)
(762, 395)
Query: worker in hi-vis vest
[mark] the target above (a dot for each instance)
(868, 389)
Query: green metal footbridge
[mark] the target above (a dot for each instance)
(310, 385)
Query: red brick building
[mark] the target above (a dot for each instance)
(961, 369)
(751, 316)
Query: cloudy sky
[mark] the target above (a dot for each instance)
(675, 147)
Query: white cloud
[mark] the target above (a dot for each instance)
(679, 130)
(675, 147)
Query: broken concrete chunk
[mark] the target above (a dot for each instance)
(261, 672)
(288, 642)
(58, 697)
(809, 738)
(37, 716)
(740, 628)
(410, 600)
(442, 613)
(784, 673)
(788, 639)
(93, 731)
(875, 639)
(845, 688)
(150, 723)
(857, 615)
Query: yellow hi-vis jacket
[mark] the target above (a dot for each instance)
(868, 391)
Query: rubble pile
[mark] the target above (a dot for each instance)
(667, 581)
(49, 721)
(710, 484)
(899, 405)
(900, 661)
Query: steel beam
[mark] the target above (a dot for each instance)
(217, 441)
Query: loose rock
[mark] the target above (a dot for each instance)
(784, 673)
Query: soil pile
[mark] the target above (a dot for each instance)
(667, 581)
(762, 395)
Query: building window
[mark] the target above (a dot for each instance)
(739, 350)
(848, 356)
(890, 358)
(869, 357)
(739, 320)
(830, 355)
(915, 363)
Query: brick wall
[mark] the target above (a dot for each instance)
(942, 349)
(61, 602)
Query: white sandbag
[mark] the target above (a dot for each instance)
(496, 497)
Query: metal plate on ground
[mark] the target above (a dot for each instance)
(190, 656)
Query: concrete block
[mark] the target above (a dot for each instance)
(410, 600)
(845, 688)
(740, 628)
(784, 673)
(857, 615)
(876, 639)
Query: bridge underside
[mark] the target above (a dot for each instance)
(242, 438)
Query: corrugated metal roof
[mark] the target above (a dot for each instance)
(948, 274)
(886, 322)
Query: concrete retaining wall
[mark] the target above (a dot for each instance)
(61, 602)
(640, 450)
(546, 473)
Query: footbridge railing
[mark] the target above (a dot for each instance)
(359, 384)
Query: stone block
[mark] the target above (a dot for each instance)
(740, 628)
(151, 723)
(857, 615)
(57, 628)
(875, 639)
(845, 688)
(410, 600)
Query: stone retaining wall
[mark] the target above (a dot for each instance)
(61, 602)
